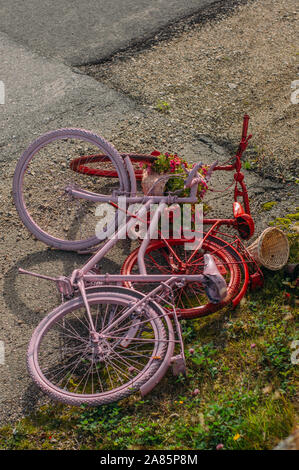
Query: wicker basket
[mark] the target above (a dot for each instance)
(271, 249)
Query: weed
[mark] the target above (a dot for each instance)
(162, 106)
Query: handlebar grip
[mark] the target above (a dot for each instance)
(245, 126)
(192, 174)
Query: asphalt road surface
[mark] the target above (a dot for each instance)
(80, 32)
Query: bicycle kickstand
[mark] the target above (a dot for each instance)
(178, 362)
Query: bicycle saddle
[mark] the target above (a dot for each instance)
(214, 283)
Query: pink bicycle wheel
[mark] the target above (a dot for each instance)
(71, 365)
(41, 181)
(170, 257)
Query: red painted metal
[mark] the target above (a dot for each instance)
(241, 221)
(245, 226)
(237, 209)
(256, 280)
(80, 164)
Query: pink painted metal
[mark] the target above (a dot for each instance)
(128, 338)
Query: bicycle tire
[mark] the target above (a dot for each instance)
(48, 171)
(109, 295)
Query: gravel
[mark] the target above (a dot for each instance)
(210, 74)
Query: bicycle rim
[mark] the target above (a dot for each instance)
(40, 184)
(67, 365)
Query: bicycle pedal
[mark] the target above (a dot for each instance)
(64, 286)
(178, 365)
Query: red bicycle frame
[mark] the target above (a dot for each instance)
(242, 220)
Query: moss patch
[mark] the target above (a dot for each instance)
(267, 206)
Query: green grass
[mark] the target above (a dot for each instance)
(241, 367)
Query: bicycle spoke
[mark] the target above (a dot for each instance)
(51, 211)
(82, 363)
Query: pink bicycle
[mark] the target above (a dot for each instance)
(61, 180)
(109, 340)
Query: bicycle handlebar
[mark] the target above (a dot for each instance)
(192, 179)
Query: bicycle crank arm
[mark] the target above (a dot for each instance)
(41, 276)
(63, 284)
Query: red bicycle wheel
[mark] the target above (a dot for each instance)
(170, 257)
(87, 164)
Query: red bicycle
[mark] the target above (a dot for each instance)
(62, 213)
